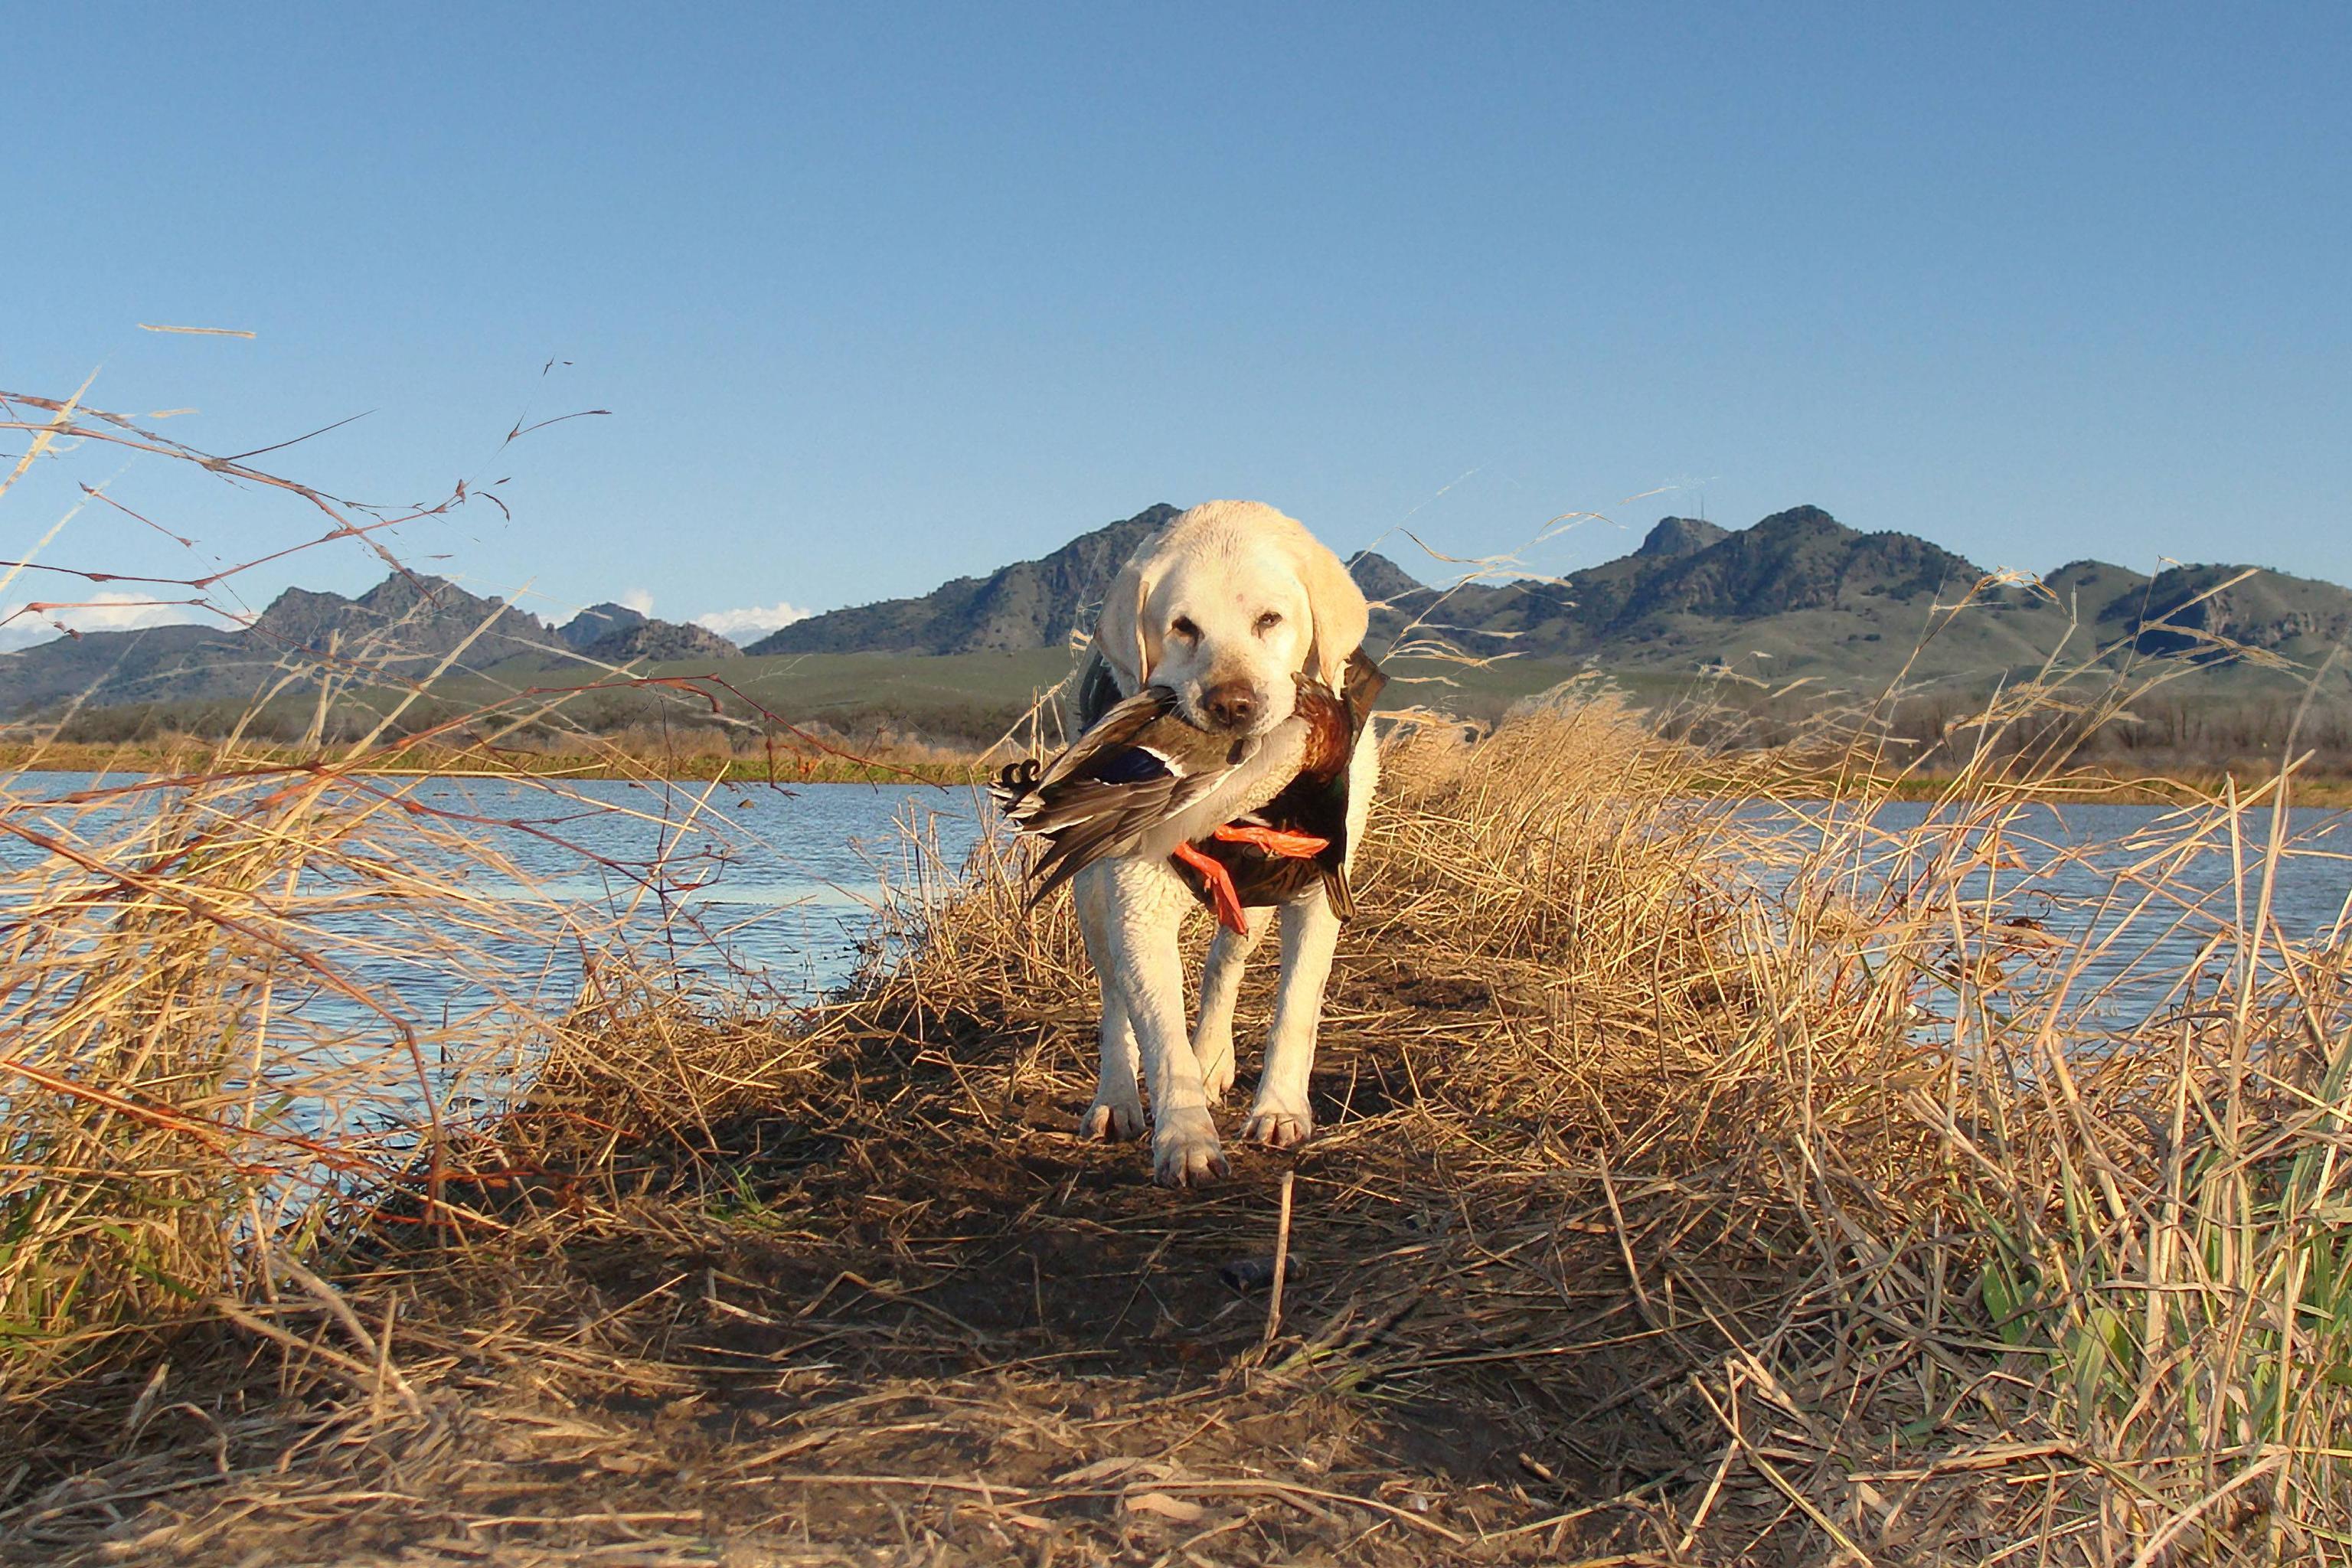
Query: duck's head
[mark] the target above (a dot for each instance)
(1225, 609)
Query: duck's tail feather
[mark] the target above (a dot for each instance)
(1013, 782)
(1085, 822)
(1019, 788)
(1337, 893)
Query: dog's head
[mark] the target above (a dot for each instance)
(1223, 607)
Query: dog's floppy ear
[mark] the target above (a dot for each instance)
(1342, 616)
(1123, 634)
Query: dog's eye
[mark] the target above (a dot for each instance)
(1268, 621)
(1183, 627)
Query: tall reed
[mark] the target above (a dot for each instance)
(2071, 1167)
(273, 986)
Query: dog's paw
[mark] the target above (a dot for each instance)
(1112, 1123)
(1184, 1152)
(1278, 1126)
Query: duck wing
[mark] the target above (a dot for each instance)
(1137, 766)
(1019, 789)
(1121, 728)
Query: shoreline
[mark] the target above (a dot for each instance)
(2092, 787)
(202, 758)
(2186, 788)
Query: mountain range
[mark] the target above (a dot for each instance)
(1030, 604)
(1798, 594)
(408, 625)
(1799, 589)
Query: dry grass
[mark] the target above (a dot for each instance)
(1648, 1223)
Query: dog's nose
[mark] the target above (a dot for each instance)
(1230, 704)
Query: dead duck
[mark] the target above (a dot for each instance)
(1272, 854)
(1137, 765)
(1140, 764)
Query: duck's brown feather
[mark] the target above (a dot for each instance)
(1138, 764)
(1315, 803)
(1135, 767)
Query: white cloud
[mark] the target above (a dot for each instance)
(111, 611)
(753, 622)
(637, 599)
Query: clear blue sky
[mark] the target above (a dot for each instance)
(879, 295)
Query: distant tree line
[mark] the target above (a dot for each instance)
(646, 713)
(2155, 732)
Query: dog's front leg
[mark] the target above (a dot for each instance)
(1220, 983)
(1117, 1114)
(1281, 1116)
(1145, 907)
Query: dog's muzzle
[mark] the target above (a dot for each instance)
(1232, 704)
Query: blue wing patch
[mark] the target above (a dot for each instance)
(1130, 766)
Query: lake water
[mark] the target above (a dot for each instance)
(764, 896)
(775, 888)
(779, 889)
(775, 893)
(2127, 911)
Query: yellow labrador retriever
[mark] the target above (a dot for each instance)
(1223, 607)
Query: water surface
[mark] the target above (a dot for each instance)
(772, 895)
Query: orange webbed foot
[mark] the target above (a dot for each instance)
(1275, 840)
(1222, 893)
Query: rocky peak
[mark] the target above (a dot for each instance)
(659, 641)
(406, 614)
(1382, 579)
(2203, 611)
(597, 622)
(1801, 559)
(1798, 520)
(1030, 604)
(1681, 536)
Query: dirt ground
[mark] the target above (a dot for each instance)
(909, 1317)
